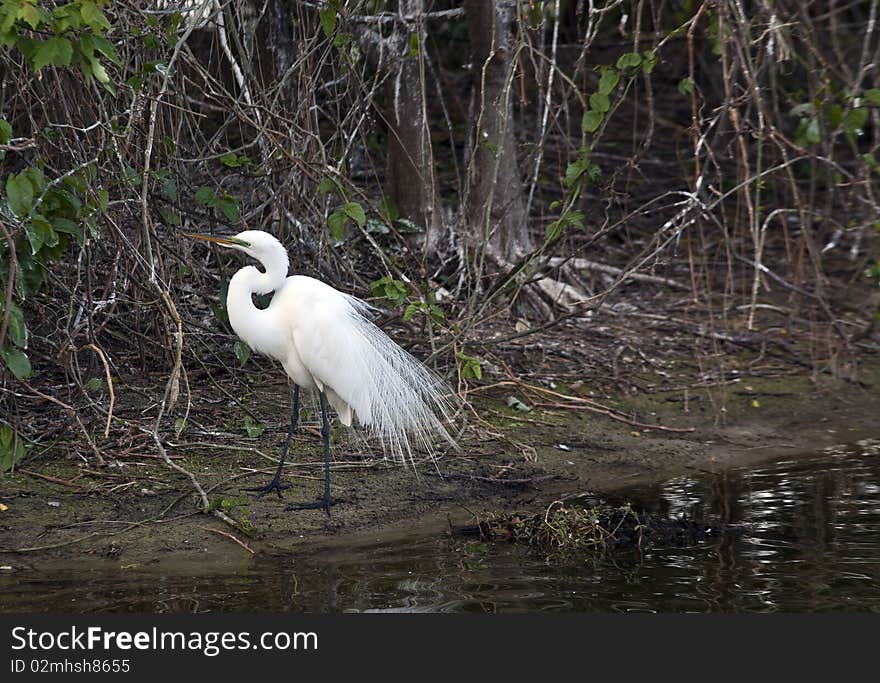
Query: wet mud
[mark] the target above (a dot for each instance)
(138, 513)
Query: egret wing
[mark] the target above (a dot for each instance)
(395, 396)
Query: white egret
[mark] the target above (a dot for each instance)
(324, 340)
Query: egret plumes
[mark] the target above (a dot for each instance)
(325, 340)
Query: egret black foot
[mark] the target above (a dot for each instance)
(321, 504)
(274, 485)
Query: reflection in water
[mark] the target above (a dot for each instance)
(798, 535)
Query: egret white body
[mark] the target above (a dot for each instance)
(324, 340)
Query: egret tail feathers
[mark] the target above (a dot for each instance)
(401, 401)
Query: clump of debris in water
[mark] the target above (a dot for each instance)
(600, 527)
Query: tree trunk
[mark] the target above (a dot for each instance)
(410, 177)
(494, 207)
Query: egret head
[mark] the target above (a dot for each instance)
(257, 244)
(262, 247)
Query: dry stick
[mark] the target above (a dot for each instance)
(238, 73)
(70, 411)
(586, 264)
(593, 406)
(109, 385)
(13, 266)
(539, 156)
(20, 147)
(151, 135)
(229, 536)
(172, 388)
(80, 539)
(174, 379)
(54, 480)
(62, 544)
(614, 416)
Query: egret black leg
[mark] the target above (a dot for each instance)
(325, 436)
(275, 484)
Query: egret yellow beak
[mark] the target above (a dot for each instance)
(224, 241)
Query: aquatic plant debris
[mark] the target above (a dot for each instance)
(566, 528)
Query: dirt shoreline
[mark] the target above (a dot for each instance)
(569, 452)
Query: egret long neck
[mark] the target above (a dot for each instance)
(258, 328)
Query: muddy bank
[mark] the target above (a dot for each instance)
(138, 513)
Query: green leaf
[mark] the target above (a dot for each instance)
(205, 196)
(336, 222)
(170, 217)
(377, 227)
(574, 171)
(514, 402)
(835, 116)
(99, 71)
(872, 97)
(31, 14)
(7, 437)
(17, 362)
(5, 132)
(630, 60)
(388, 208)
(356, 212)
(242, 351)
(93, 17)
(41, 226)
(436, 313)
(326, 186)
(649, 61)
(105, 47)
(57, 51)
(608, 81)
(20, 194)
(169, 189)
(38, 180)
(600, 102)
(229, 206)
(413, 50)
(34, 238)
(470, 366)
(812, 133)
(328, 20)
(67, 227)
(230, 159)
(592, 120)
(253, 429)
(803, 109)
(407, 226)
(12, 448)
(410, 311)
(855, 121)
(389, 288)
(574, 218)
(553, 231)
(557, 227)
(685, 86)
(94, 384)
(17, 329)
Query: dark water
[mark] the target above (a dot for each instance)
(799, 535)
